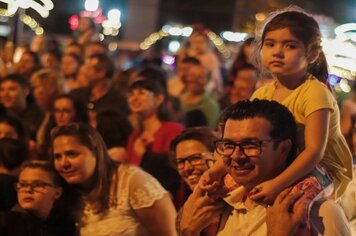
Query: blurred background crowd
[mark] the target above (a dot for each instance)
(140, 78)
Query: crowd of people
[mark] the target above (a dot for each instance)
(87, 148)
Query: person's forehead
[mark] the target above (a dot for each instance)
(189, 147)
(256, 127)
(196, 70)
(10, 83)
(93, 61)
(63, 102)
(34, 174)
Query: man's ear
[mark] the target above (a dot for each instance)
(285, 147)
(313, 56)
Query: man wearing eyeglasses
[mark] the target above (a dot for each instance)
(192, 152)
(257, 144)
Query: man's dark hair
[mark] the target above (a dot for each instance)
(16, 124)
(104, 63)
(16, 78)
(283, 125)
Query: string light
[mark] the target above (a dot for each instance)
(42, 7)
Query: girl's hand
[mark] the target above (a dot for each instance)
(215, 188)
(208, 183)
(265, 192)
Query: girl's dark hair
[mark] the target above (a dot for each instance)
(105, 170)
(156, 88)
(80, 109)
(306, 29)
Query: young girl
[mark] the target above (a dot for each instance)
(289, 48)
(38, 188)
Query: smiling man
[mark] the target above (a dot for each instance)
(257, 144)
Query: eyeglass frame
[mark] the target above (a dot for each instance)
(20, 185)
(190, 158)
(242, 149)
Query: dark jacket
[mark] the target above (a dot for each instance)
(19, 222)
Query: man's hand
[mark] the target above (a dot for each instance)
(281, 221)
(199, 211)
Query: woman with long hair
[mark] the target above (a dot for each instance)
(114, 199)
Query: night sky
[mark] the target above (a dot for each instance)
(215, 14)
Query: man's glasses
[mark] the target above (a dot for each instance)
(34, 186)
(194, 160)
(251, 148)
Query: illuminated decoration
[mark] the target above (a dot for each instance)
(260, 16)
(91, 5)
(43, 7)
(27, 20)
(173, 46)
(168, 59)
(112, 25)
(32, 23)
(97, 17)
(346, 31)
(341, 57)
(177, 31)
(219, 44)
(152, 39)
(234, 36)
(73, 22)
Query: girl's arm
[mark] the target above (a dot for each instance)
(316, 135)
(159, 218)
(346, 118)
(211, 179)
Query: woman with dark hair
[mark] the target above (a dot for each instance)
(243, 59)
(114, 199)
(155, 132)
(148, 145)
(66, 109)
(28, 64)
(70, 65)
